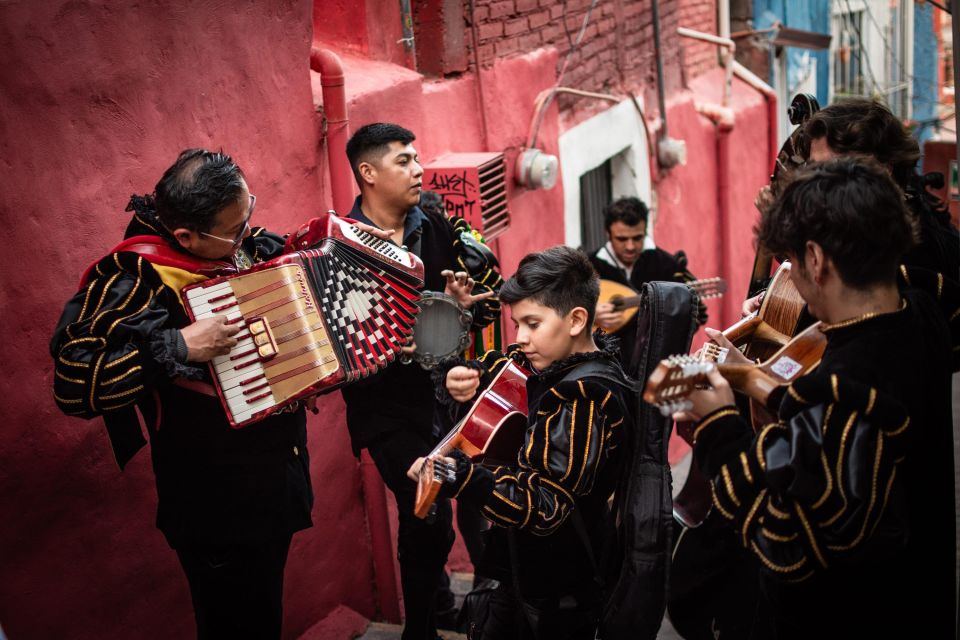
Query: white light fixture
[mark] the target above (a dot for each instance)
(536, 169)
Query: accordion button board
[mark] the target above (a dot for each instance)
(311, 321)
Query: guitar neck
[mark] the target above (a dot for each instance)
(750, 380)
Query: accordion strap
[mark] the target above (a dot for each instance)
(156, 250)
(197, 386)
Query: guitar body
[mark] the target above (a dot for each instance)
(620, 296)
(694, 502)
(779, 314)
(493, 432)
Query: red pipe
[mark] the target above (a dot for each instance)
(328, 65)
(773, 146)
(375, 499)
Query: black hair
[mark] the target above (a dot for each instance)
(630, 211)
(867, 127)
(852, 208)
(432, 202)
(560, 278)
(371, 141)
(198, 186)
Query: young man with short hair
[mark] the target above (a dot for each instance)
(392, 413)
(580, 412)
(625, 259)
(847, 501)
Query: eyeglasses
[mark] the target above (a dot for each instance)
(243, 230)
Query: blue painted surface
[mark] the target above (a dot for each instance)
(925, 71)
(809, 15)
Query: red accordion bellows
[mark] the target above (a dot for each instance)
(338, 307)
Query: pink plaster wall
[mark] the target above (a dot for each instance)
(688, 199)
(98, 98)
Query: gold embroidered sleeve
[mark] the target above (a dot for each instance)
(814, 487)
(102, 348)
(573, 436)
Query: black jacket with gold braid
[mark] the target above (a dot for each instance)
(570, 459)
(847, 500)
(117, 346)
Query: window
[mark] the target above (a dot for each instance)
(596, 192)
(848, 55)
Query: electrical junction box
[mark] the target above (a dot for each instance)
(474, 187)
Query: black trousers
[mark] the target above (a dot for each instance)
(557, 618)
(714, 583)
(237, 590)
(422, 545)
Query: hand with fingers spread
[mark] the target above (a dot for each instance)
(706, 401)
(460, 285)
(209, 338)
(462, 383)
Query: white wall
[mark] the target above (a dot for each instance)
(616, 134)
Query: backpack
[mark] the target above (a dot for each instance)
(635, 601)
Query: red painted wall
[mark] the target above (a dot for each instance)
(98, 98)
(688, 200)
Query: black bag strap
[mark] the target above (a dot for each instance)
(523, 614)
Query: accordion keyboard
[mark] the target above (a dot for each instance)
(293, 332)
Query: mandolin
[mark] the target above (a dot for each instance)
(492, 431)
(625, 299)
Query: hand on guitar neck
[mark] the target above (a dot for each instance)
(705, 401)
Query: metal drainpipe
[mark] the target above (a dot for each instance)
(773, 146)
(328, 65)
(723, 118)
(661, 101)
(729, 48)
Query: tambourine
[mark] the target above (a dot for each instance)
(442, 329)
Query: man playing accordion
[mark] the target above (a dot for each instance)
(229, 500)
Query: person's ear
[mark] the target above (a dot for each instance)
(368, 172)
(577, 319)
(816, 261)
(187, 238)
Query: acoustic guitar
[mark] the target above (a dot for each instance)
(675, 378)
(625, 299)
(492, 432)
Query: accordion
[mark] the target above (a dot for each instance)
(335, 308)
